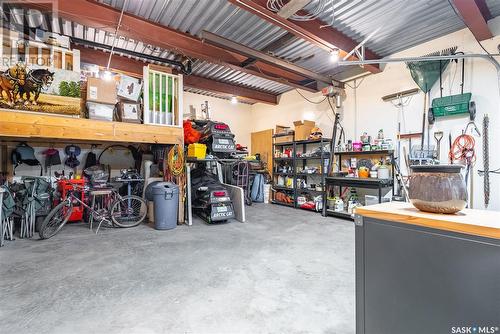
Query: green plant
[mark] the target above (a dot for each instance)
(64, 88)
(70, 89)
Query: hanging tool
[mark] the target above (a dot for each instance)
(450, 144)
(438, 135)
(474, 127)
(400, 100)
(454, 104)
(486, 161)
(425, 74)
(423, 123)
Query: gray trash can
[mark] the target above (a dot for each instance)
(166, 205)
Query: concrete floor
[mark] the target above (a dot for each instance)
(284, 271)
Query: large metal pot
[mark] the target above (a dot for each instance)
(438, 188)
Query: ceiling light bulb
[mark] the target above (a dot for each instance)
(234, 100)
(107, 75)
(334, 55)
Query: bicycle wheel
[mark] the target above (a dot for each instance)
(129, 211)
(55, 220)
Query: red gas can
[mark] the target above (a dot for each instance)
(65, 186)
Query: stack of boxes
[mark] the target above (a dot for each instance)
(129, 92)
(101, 99)
(106, 96)
(303, 129)
(284, 134)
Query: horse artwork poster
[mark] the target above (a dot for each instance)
(38, 89)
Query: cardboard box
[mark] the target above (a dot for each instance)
(100, 111)
(303, 129)
(283, 139)
(130, 112)
(129, 88)
(100, 90)
(281, 129)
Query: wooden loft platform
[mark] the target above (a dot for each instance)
(16, 125)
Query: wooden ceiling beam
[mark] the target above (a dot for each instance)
(475, 14)
(135, 68)
(93, 14)
(327, 38)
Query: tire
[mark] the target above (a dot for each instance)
(430, 116)
(55, 220)
(472, 110)
(124, 216)
(38, 222)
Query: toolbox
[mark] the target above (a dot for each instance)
(198, 151)
(65, 186)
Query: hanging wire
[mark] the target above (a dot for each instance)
(342, 132)
(356, 86)
(313, 13)
(310, 101)
(332, 20)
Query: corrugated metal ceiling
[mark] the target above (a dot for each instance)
(401, 23)
(494, 7)
(200, 68)
(211, 94)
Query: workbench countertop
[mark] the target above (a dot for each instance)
(468, 221)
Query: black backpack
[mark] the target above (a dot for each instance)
(25, 154)
(72, 151)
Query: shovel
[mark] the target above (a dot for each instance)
(438, 135)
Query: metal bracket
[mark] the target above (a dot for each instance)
(358, 220)
(360, 53)
(359, 50)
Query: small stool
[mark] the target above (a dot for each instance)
(101, 198)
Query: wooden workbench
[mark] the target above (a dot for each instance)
(16, 125)
(473, 222)
(420, 272)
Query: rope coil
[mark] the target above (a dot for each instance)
(463, 150)
(175, 160)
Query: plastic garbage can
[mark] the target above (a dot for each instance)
(166, 205)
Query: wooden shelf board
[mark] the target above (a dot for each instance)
(374, 152)
(29, 126)
(468, 221)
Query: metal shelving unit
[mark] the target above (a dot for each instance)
(355, 182)
(300, 162)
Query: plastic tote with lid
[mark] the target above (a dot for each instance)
(166, 205)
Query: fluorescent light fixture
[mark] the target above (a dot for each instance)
(334, 55)
(234, 100)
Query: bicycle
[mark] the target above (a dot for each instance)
(125, 211)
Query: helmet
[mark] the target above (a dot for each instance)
(316, 133)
